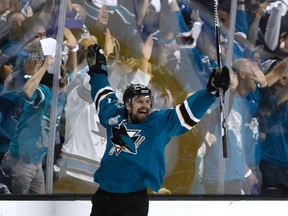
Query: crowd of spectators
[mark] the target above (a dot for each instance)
(183, 55)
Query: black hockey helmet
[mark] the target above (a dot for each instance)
(135, 90)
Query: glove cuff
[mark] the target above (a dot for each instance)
(98, 69)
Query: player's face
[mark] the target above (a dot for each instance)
(140, 108)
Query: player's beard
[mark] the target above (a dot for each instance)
(138, 117)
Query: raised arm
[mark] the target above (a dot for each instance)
(273, 76)
(282, 95)
(146, 51)
(71, 43)
(32, 84)
(273, 28)
(254, 28)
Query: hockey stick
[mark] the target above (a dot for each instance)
(221, 95)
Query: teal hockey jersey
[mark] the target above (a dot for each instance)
(134, 156)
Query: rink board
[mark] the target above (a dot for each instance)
(157, 207)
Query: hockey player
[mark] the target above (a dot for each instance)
(136, 138)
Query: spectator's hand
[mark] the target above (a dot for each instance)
(109, 43)
(252, 179)
(96, 60)
(33, 64)
(48, 61)
(146, 48)
(80, 10)
(218, 80)
(258, 75)
(167, 97)
(262, 9)
(195, 16)
(70, 40)
(129, 63)
(28, 11)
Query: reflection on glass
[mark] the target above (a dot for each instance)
(184, 54)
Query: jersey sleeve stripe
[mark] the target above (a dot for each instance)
(102, 93)
(185, 115)
(36, 101)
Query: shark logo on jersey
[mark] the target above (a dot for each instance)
(126, 140)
